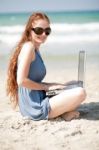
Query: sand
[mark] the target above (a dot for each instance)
(17, 132)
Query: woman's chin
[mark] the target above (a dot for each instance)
(40, 41)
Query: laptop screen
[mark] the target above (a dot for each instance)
(81, 68)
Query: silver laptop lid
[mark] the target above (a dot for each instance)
(81, 68)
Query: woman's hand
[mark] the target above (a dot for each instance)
(55, 86)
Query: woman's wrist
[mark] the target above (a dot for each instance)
(45, 87)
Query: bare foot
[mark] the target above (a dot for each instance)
(70, 115)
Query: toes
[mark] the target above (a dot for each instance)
(77, 115)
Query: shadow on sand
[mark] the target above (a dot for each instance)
(89, 111)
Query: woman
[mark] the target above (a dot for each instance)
(26, 72)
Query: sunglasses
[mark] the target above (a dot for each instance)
(40, 31)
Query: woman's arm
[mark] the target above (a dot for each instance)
(27, 55)
(54, 86)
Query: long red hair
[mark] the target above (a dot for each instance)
(12, 86)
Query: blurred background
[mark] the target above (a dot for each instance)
(75, 26)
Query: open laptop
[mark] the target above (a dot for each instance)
(81, 77)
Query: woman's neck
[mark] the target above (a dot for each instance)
(36, 45)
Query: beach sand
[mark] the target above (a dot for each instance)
(17, 132)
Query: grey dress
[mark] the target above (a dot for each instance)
(34, 103)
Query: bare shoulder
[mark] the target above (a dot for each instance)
(28, 47)
(27, 50)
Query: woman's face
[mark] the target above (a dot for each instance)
(38, 34)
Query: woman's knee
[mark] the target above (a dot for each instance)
(81, 93)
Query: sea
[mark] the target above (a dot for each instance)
(71, 32)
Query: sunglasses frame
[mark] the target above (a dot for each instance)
(41, 30)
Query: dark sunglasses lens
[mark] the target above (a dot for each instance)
(38, 30)
(48, 31)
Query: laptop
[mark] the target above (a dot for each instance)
(73, 84)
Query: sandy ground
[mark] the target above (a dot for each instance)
(18, 133)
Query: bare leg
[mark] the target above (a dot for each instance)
(66, 101)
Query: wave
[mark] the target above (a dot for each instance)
(60, 33)
(75, 38)
(68, 28)
(55, 27)
(11, 29)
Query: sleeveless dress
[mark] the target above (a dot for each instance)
(34, 103)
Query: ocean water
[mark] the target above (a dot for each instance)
(67, 28)
(71, 32)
